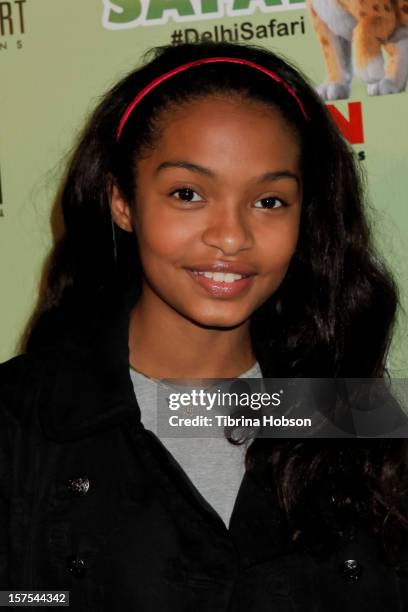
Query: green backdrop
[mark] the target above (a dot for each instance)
(58, 57)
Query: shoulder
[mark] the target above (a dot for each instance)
(17, 378)
(20, 379)
(13, 371)
(68, 391)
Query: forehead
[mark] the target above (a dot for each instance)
(227, 128)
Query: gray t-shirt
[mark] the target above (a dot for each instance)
(214, 465)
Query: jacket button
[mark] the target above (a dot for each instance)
(76, 566)
(78, 486)
(352, 570)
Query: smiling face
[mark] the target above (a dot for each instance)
(217, 210)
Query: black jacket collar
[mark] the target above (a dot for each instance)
(84, 356)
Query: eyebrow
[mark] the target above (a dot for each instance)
(267, 176)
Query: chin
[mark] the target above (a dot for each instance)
(217, 319)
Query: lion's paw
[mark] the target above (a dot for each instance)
(333, 91)
(371, 72)
(384, 87)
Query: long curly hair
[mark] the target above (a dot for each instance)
(333, 314)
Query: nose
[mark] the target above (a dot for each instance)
(228, 230)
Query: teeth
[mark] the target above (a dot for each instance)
(229, 277)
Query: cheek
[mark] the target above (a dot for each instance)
(163, 238)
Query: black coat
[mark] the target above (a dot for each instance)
(92, 503)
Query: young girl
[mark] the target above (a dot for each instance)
(214, 228)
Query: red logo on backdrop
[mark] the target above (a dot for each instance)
(350, 126)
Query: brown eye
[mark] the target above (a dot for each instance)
(270, 202)
(187, 195)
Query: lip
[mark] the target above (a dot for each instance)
(220, 289)
(224, 266)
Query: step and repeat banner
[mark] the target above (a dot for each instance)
(57, 57)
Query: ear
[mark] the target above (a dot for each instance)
(120, 209)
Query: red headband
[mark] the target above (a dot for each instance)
(208, 60)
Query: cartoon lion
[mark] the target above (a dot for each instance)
(362, 29)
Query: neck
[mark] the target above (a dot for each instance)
(171, 346)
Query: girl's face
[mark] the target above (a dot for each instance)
(217, 210)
